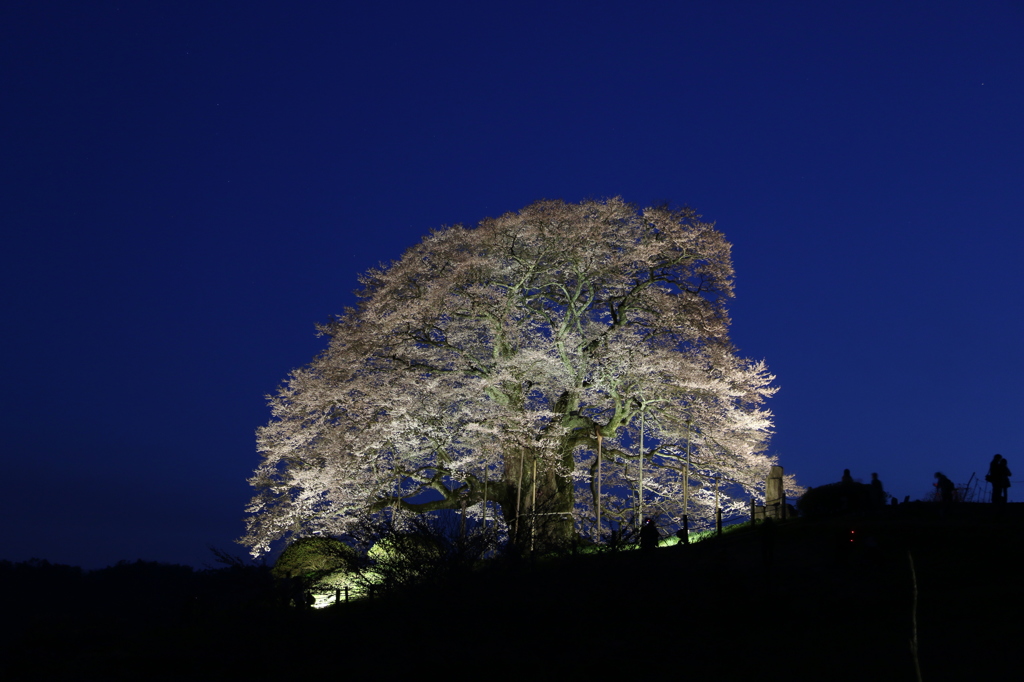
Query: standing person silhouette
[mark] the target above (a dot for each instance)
(995, 477)
(1004, 479)
(877, 492)
(649, 536)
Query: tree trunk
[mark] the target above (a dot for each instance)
(545, 505)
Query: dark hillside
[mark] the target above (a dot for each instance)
(822, 607)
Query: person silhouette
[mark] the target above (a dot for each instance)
(995, 477)
(877, 493)
(945, 486)
(649, 535)
(846, 498)
(1004, 478)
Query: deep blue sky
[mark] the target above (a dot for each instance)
(188, 187)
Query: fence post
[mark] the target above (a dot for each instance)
(718, 520)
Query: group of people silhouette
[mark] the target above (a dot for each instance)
(876, 495)
(998, 475)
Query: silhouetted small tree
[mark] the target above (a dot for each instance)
(419, 550)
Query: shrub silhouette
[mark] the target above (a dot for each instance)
(835, 499)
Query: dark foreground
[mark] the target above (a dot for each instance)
(820, 608)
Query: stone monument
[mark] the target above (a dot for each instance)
(775, 495)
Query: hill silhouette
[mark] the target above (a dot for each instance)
(809, 599)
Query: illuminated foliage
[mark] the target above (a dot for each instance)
(313, 557)
(479, 372)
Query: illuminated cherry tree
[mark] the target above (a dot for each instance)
(488, 368)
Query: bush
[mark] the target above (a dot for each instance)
(313, 557)
(315, 565)
(835, 499)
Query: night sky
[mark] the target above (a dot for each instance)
(187, 188)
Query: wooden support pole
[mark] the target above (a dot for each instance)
(533, 508)
(600, 439)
